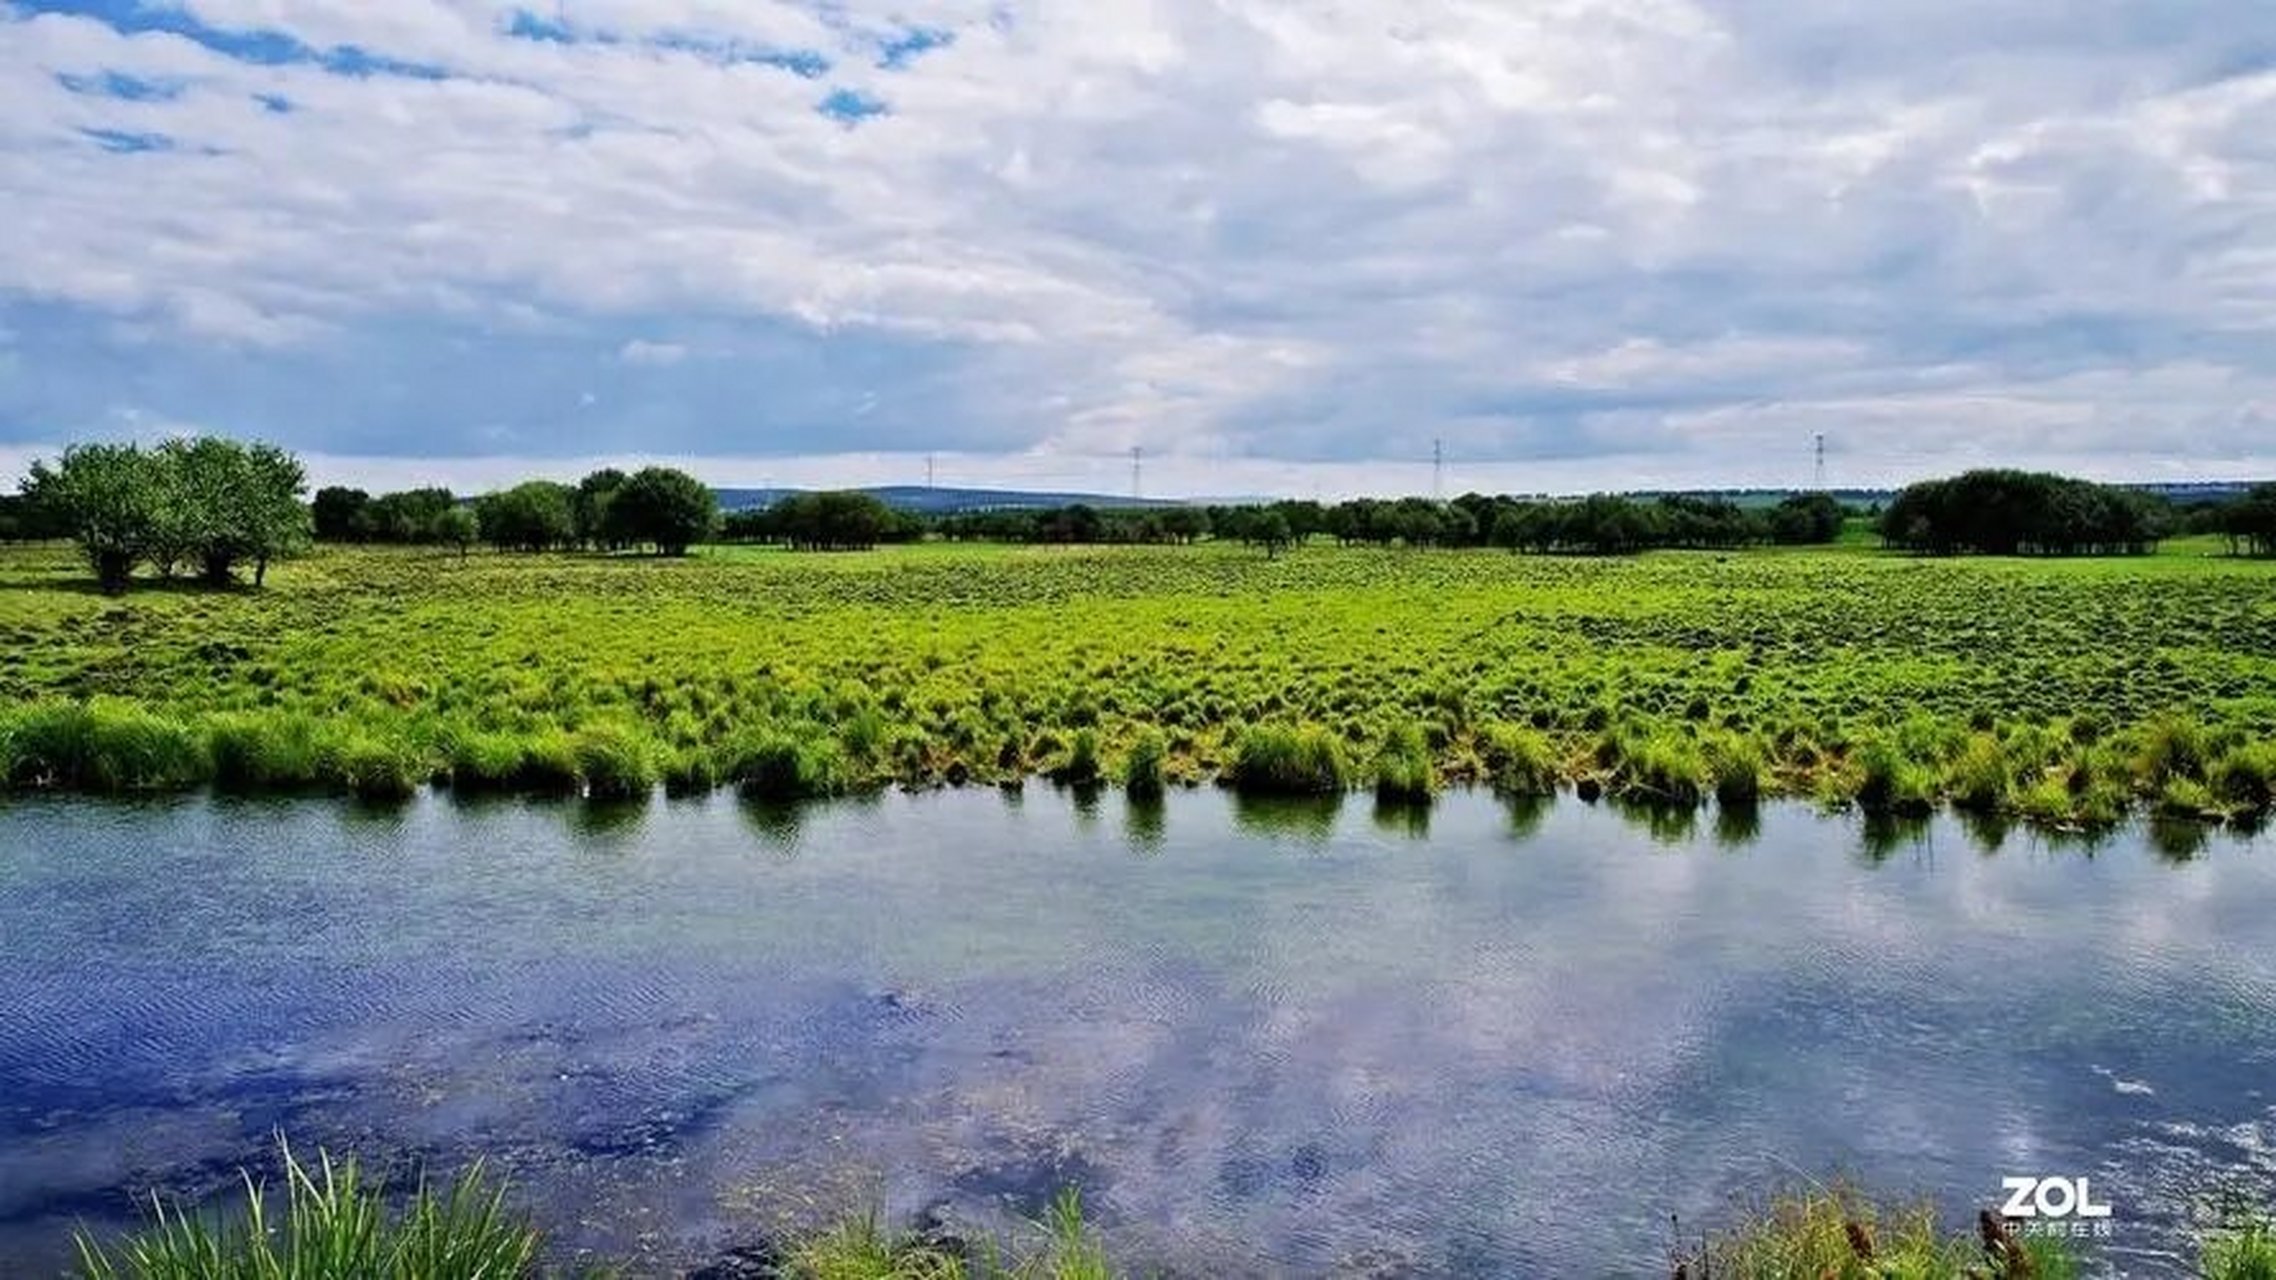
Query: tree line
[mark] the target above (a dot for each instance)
(655, 507)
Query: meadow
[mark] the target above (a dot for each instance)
(2064, 691)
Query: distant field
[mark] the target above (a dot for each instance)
(2060, 689)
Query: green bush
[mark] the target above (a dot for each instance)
(1891, 781)
(1735, 766)
(1979, 779)
(2245, 776)
(1289, 760)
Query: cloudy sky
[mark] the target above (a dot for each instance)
(1281, 246)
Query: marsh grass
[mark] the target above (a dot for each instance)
(1144, 769)
(2246, 1252)
(332, 1224)
(1289, 760)
(1404, 772)
(862, 1247)
(1836, 1233)
(1852, 677)
(780, 765)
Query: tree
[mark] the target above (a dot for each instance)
(831, 521)
(590, 509)
(659, 505)
(105, 497)
(339, 514)
(456, 527)
(227, 502)
(536, 515)
(412, 516)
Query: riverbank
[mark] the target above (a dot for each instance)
(2060, 692)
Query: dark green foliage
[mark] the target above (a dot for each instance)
(822, 522)
(667, 509)
(340, 514)
(615, 763)
(2020, 513)
(102, 747)
(109, 498)
(536, 515)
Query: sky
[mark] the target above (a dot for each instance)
(1281, 247)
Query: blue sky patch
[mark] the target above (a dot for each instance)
(128, 142)
(852, 106)
(114, 84)
(896, 52)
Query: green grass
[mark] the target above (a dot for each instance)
(332, 1224)
(2063, 691)
(2241, 1253)
(1836, 1233)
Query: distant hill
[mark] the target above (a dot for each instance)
(941, 501)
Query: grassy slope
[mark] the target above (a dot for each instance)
(936, 661)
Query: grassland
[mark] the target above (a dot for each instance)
(2063, 691)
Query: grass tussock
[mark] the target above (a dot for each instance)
(780, 765)
(864, 1248)
(1520, 760)
(1289, 760)
(1404, 771)
(1145, 768)
(332, 1224)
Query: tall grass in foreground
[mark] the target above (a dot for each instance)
(1834, 1233)
(2243, 1253)
(334, 1225)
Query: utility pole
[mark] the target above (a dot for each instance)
(1438, 471)
(1137, 471)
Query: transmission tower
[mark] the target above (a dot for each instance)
(928, 471)
(1137, 471)
(1438, 471)
(1821, 456)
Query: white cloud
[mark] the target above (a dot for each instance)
(1647, 231)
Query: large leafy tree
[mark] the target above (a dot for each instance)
(660, 505)
(105, 497)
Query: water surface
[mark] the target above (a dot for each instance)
(1263, 1040)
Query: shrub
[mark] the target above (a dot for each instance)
(1403, 768)
(335, 1225)
(1289, 760)
(691, 772)
(548, 765)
